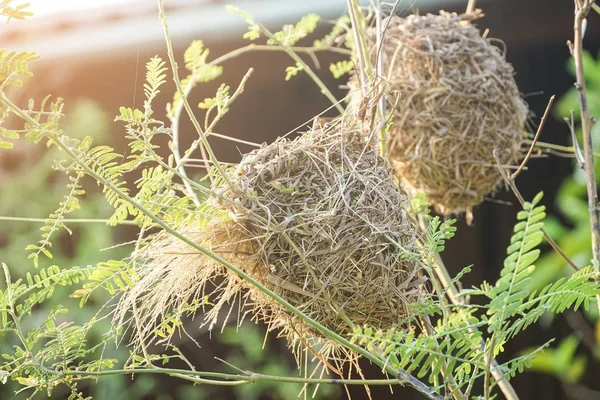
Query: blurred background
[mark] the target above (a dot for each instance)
(93, 54)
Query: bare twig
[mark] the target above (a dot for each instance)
(224, 378)
(66, 220)
(582, 9)
(557, 147)
(360, 44)
(471, 6)
(208, 132)
(535, 138)
(177, 156)
(577, 150)
(184, 100)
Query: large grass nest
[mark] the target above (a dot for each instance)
(319, 220)
(454, 101)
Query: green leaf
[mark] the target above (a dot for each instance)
(291, 34)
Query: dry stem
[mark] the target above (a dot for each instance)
(582, 9)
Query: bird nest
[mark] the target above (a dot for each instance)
(454, 102)
(318, 220)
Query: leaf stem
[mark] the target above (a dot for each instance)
(236, 379)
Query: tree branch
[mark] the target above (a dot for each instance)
(582, 9)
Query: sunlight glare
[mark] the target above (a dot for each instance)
(48, 7)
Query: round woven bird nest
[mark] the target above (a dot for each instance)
(319, 220)
(454, 101)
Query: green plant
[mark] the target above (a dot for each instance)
(445, 346)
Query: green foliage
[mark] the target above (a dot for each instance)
(453, 347)
(341, 68)
(195, 61)
(171, 322)
(291, 34)
(341, 26)
(254, 30)
(452, 350)
(292, 71)
(14, 12)
(113, 276)
(14, 67)
(448, 345)
(438, 233)
(201, 71)
(47, 121)
(219, 101)
(155, 77)
(510, 290)
(48, 346)
(55, 220)
(573, 236)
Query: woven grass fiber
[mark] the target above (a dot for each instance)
(319, 220)
(454, 101)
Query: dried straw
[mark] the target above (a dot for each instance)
(454, 101)
(318, 220)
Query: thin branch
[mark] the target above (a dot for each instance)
(177, 156)
(577, 150)
(207, 133)
(556, 147)
(66, 220)
(471, 6)
(360, 44)
(266, 47)
(236, 140)
(184, 100)
(535, 138)
(248, 377)
(582, 9)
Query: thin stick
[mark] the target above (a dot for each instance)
(207, 133)
(557, 147)
(535, 138)
(248, 377)
(582, 9)
(184, 100)
(361, 53)
(66, 220)
(177, 156)
(577, 150)
(236, 140)
(519, 197)
(471, 6)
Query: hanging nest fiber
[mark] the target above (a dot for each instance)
(318, 220)
(454, 101)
